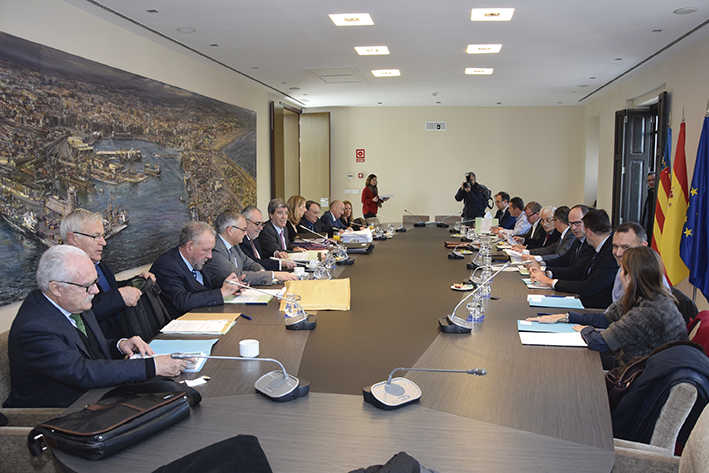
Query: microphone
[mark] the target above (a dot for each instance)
(398, 392)
(300, 321)
(326, 240)
(454, 324)
(276, 385)
(416, 224)
(341, 254)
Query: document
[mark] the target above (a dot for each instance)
(529, 326)
(203, 347)
(251, 296)
(210, 316)
(535, 285)
(306, 256)
(552, 339)
(332, 294)
(197, 327)
(561, 302)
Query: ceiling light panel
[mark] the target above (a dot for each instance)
(483, 48)
(386, 73)
(372, 50)
(491, 14)
(351, 19)
(479, 71)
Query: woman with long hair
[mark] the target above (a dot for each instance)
(370, 198)
(347, 220)
(296, 209)
(645, 318)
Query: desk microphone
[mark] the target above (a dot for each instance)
(454, 324)
(341, 254)
(326, 240)
(398, 392)
(301, 321)
(276, 385)
(417, 224)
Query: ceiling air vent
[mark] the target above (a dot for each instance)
(435, 126)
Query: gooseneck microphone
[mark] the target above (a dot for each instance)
(300, 321)
(416, 224)
(326, 240)
(276, 385)
(454, 324)
(397, 392)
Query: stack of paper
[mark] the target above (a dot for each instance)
(209, 316)
(333, 294)
(251, 296)
(306, 256)
(534, 284)
(529, 326)
(197, 327)
(515, 256)
(561, 302)
(552, 339)
(360, 236)
(203, 347)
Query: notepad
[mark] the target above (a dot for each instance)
(560, 302)
(306, 256)
(535, 285)
(529, 326)
(250, 296)
(552, 339)
(197, 327)
(203, 347)
(332, 294)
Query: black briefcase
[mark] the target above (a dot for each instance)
(122, 417)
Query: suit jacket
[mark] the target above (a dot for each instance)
(579, 253)
(552, 252)
(267, 263)
(505, 220)
(181, 292)
(550, 239)
(223, 263)
(534, 240)
(107, 303)
(592, 282)
(51, 365)
(270, 242)
(328, 223)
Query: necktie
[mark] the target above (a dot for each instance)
(253, 247)
(232, 253)
(79, 323)
(102, 281)
(198, 276)
(283, 241)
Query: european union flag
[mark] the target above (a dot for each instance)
(694, 247)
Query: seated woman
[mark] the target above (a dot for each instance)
(347, 220)
(645, 318)
(296, 209)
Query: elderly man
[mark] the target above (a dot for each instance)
(228, 257)
(251, 246)
(179, 272)
(84, 230)
(311, 217)
(592, 281)
(580, 252)
(274, 237)
(564, 241)
(535, 235)
(57, 350)
(503, 216)
(522, 226)
(330, 221)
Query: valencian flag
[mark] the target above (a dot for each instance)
(695, 236)
(677, 202)
(662, 186)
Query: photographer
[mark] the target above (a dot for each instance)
(475, 197)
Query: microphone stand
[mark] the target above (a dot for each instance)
(339, 249)
(276, 385)
(397, 392)
(454, 324)
(300, 321)
(417, 224)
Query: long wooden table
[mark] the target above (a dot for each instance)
(538, 408)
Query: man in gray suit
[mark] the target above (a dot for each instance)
(228, 257)
(555, 250)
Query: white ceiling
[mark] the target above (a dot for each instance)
(551, 48)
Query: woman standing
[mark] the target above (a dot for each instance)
(296, 209)
(645, 318)
(370, 198)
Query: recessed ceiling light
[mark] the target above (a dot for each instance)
(618, 59)
(656, 30)
(479, 71)
(351, 19)
(684, 11)
(438, 101)
(593, 77)
(491, 14)
(152, 10)
(186, 29)
(379, 103)
(294, 88)
(483, 48)
(372, 50)
(214, 45)
(386, 73)
(499, 103)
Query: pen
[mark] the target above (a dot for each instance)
(247, 317)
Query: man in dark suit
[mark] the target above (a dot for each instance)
(330, 222)
(228, 257)
(593, 282)
(311, 219)
(559, 247)
(535, 235)
(503, 216)
(274, 237)
(251, 246)
(179, 272)
(56, 348)
(84, 230)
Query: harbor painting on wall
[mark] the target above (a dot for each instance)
(146, 155)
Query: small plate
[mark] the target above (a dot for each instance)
(463, 252)
(462, 287)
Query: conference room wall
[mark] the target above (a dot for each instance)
(683, 71)
(534, 152)
(79, 28)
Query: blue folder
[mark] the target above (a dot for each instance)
(527, 326)
(560, 302)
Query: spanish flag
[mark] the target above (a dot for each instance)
(674, 215)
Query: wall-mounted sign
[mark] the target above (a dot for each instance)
(359, 155)
(360, 175)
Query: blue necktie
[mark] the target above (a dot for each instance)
(102, 281)
(198, 276)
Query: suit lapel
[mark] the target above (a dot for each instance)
(90, 322)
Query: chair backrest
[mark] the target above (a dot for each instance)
(409, 219)
(699, 330)
(686, 307)
(449, 219)
(695, 457)
(674, 413)
(4, 367)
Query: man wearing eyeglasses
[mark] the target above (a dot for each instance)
(228, 257)
(535, 235)
(56, 348)
(251, 245)
(84, 230)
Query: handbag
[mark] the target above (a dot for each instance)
(122, 417)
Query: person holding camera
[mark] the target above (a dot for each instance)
(475, 197)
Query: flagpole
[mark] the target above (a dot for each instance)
(694, 294)
(706, 114)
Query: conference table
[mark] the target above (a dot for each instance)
(538, 409)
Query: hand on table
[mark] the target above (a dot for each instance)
(538, 275)
(165, 365)
(578, 328)
(548, 319)
(229, 289)
(284, 276)
(133, 345)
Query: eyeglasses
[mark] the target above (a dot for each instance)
(258, 224)
(575, 223)
(99, 236)
(529, 214)
(86, 288)
(238, 228)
